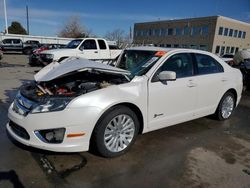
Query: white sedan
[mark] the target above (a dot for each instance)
(77, 103)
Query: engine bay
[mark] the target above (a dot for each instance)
(71, 85)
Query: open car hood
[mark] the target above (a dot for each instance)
(73, 64)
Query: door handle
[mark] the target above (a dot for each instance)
(96, 52)
(223, 79)
(191, 84)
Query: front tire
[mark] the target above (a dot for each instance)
(226, 106)
(115, 132)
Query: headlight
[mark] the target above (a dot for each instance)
(49, 56)
(51, 105)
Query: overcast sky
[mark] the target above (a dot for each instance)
(48, 16)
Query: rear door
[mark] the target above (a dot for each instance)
(174, 101)
(104, 52)
(17, 44)
(210, 83)
(89, 50)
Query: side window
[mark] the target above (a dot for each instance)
(181, 64)
(102, 44)
(207, 65)
(89, 45)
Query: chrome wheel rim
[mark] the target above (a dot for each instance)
(227, 107)
(119, 133)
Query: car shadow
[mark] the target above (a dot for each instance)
(12, 177)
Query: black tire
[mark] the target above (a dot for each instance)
(218, 114)
(97, 140)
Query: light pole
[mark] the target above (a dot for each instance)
(5, 17)
(27, 17)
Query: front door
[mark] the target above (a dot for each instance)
(172, 102)
(89, 50)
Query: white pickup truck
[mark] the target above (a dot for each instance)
(96, 49)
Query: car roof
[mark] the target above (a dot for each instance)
(150, 48)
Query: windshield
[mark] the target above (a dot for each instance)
(73, 44)
(228, 56)
(138, 62)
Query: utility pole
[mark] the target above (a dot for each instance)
(27, 17)
(5, 17)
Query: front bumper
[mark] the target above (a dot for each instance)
(73, 120)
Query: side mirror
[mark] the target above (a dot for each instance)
(81, 48)
(167, 76)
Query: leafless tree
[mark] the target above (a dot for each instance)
(74, 29)
(117, 35)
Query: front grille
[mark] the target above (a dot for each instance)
(19, 131)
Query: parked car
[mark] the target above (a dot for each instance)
(242, 62)
(34, 58)
(30, 45)
(17, 45)
(89, 48)
(11, 45)
(1, 53)
(228, 58)
(76, 104)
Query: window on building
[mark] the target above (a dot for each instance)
(150, 32)
(186, 30)
(184, 46)
(145, 32)
(203, 47)
(170, 31)
(230, 32)
(225, 31)
(239, 34)
(236, 49)
(168, 45)
(178, 31)
(193, 46)
(195, 31)
(235, 33)
(232, 50)
(136, 33)
(157, 32)
(176, 45)
(244, 34)
(220, 30)
(204, 30)
(222, 50)
(217, 50)
(163, 32)
(227, 50)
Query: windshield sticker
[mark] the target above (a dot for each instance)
(150, 61)
(160, 53)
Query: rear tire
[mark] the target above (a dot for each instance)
(226, 106)
(115, 132)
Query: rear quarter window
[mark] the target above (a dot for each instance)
(207, 65)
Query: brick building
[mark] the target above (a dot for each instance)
(216, 34)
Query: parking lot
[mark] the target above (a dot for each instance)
(199, 153)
